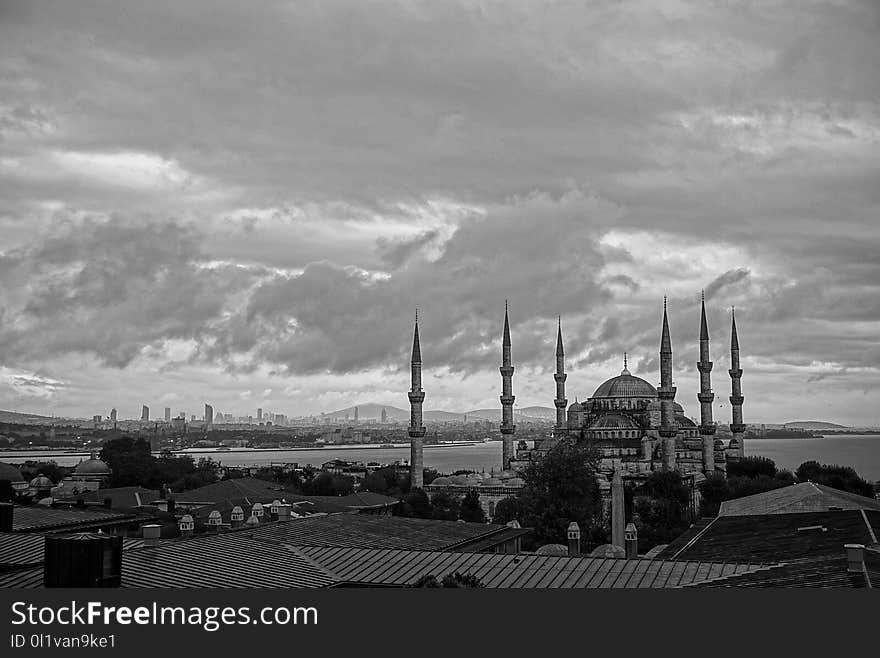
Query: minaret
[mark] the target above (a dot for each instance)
(416, 397)
(666, 394)
(560, 377)
(736, 397)
(507, 398)
(618, 513)
(706, 396)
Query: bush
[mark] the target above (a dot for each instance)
(751, 467)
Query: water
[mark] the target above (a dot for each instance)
(862, 452)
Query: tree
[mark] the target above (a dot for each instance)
(471, 510)
(834, 476)
(507, 510)
(452, 580)
(444, 507)
(415, 504)
(661, 508)
(751, 467)
(130, 462)
(559, 488)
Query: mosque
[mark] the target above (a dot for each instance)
(636, 428)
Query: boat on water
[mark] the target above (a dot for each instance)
(387, 445)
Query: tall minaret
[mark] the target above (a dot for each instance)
(736, 397)
(706, 396)
(507, 398)
(666, 394)
(560, 377)
(416, 397)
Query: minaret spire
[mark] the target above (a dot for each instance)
(737, 427)
(560, 402)
(507, 426)
(666, 395)
(706, 396)
(416, 397)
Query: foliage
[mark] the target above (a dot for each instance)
(445, 507)
(751, 467)
(415, 504)
(507, 510)
(132, 464)
(837, 477)
(328, 484)
(453, 580)
(661, 508)
(559, 488)
(471, 510)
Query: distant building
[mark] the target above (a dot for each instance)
(259, 415)
(209, 416)
(167, 414)
(145, 413)
(384, 415)
(355, 415)
(113, 415)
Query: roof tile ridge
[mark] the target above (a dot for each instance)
(693, 539)
(868, 524)
(335, 577)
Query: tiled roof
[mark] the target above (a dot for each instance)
(823, 572)
(355, 566)
(22, 549)
(230, 560)
(123, 498)
(796, 498)
(775, 537)
(37, 518)
(368, 531)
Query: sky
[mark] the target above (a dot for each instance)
(244, 203)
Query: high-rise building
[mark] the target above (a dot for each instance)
(113, 415)
(209, 416)
(145, 413)
(355, 415)
(384, 415)
(259, 415)
(167, 414)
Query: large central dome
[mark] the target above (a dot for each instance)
(625, 385)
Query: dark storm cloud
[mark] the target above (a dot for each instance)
(334, 165)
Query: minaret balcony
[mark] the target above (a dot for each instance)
(416, 397)
(560, 377)
(735, 373)
(506, 371)
(561, 404)
(666, 392)
(737, 400)
(704, 366)
(737, 428)
(416, 432)
(708, 429)
(508, 429)
(507, 399)
(706, 398)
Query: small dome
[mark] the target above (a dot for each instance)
(442, 480)
(10, 473)
(719, 444)
(575, 406)
(92, 466)
(555, 550)
(214, 515)
(608, 550)
(458, 479)
(252, 521)
(685, 422)
(237, 514)
(42, 482)
(257, 510)
(492, 482)
(613, 421)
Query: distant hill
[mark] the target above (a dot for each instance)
(23, 419)
(813, 425)
(373, 411)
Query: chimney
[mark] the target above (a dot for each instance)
(574, 540)
(618, 513)
(84, 559)
(273, 509)
(151, 533)
(257, 511)
(855, 558)
(186, 525)
(284, 512)
(7, 512)
(170, 506)
(631, 541)
(236, 518)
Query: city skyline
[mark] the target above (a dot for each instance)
(183, 226)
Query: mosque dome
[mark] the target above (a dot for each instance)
(92, 466)
(42, 482)
(684, 422)
(9, 473)
(555, 550)
(440, 481)
(625, 385)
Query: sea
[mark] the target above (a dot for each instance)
(862, 452)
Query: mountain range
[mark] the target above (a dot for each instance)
(373, 411)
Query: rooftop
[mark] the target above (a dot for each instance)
(801, 497)
(37, 518)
